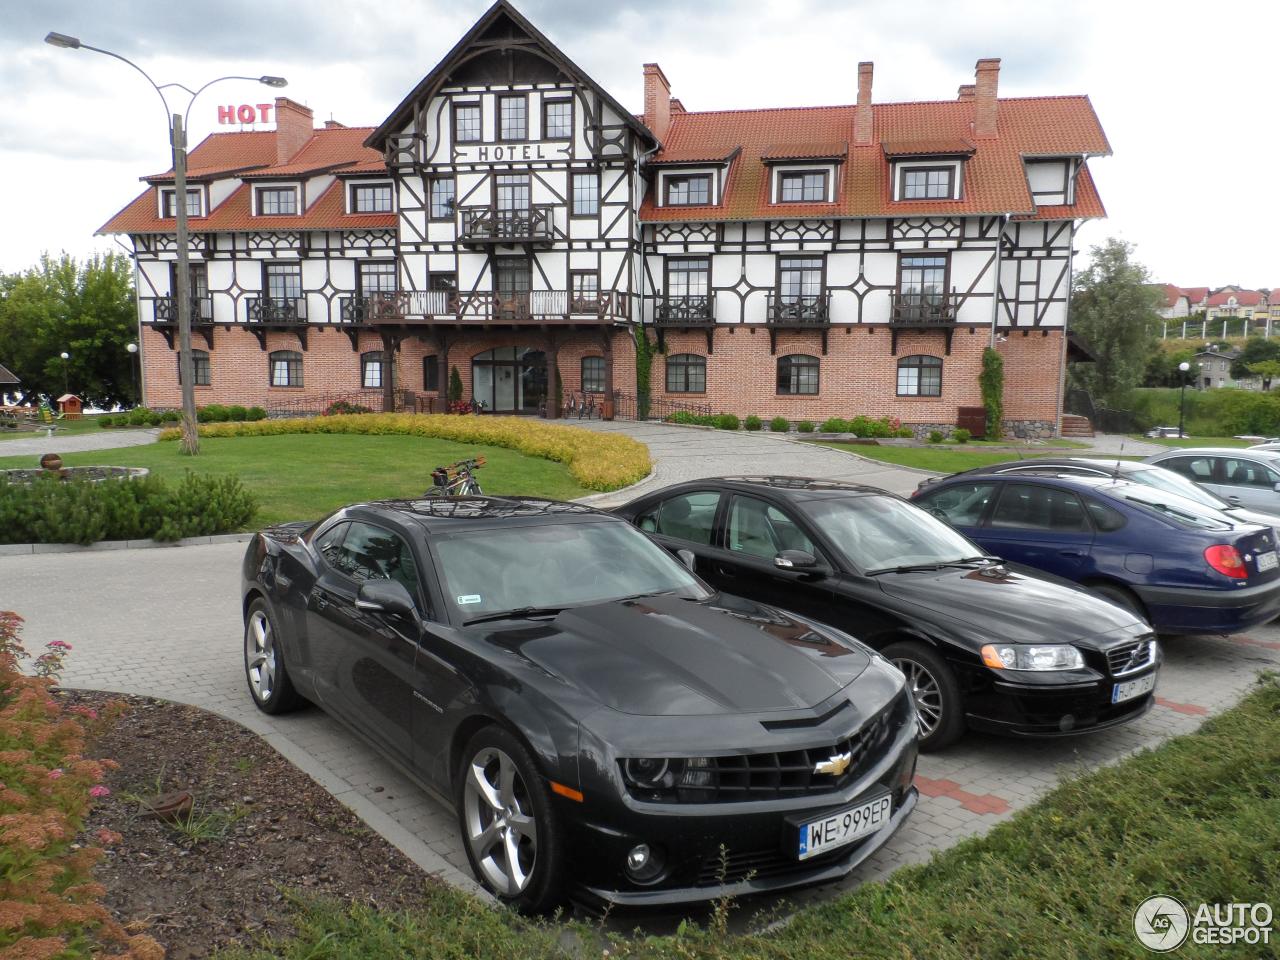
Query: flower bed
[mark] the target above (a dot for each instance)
(598, 461)
(49, 903)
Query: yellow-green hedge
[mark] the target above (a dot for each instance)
(598, 461)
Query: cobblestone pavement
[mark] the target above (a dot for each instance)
(166, 623)
(38, 444)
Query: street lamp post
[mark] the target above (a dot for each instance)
(133, 370)
(65, 378)
(1183, 367)
(176, 123)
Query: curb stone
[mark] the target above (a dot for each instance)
(24, 549)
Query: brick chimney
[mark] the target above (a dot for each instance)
(965, 92)
(657, 101)
(677, 106)
(293, 128)
(985, 105)
(334, 125)
(863, 120)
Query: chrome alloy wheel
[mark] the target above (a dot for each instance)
(260, 656)
(501, 830)
(926, 694)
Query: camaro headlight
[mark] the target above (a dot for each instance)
(661, 778)
(1025, 656)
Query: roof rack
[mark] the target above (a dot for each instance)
(799, 483)
(475, 508)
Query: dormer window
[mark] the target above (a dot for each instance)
(557, 119)
(276, 201)
(195, 202)
(370, 198)
(802, 186)
(927, 183)
(688, 191)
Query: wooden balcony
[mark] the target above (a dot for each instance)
(276, 311)
(484, 225)
(412, 307)
(927, 310)
(693, 310)
(805, 310)
(166, 309)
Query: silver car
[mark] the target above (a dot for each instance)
(1247, 478)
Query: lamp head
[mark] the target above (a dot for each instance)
(131, 347)
(64, 355)
(1184, 366)
(274, 81)
(62, 40)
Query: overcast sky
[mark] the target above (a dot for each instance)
(1186, 91)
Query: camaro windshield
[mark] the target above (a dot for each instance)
(882, 533)
(553, 566)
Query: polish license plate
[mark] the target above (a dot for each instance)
(1267, 561)
(1133, 688)
(844, 826)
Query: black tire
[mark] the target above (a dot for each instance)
(1121, 597)
(939, 704)
(531, 800)
(264, 661)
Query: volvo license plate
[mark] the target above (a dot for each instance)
(843, 826)
(1133, 688)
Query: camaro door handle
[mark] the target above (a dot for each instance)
(320, 600)
(725, 571)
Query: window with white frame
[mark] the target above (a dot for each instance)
(274, 201)
(371, 370)
(926, 183)
(802, 186)
(195, 202)
(371, 198)
(687, 190)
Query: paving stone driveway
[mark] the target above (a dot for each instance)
(166, 623)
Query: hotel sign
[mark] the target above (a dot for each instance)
(510, 152)
(246, 113)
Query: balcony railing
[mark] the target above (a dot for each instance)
(799, 310)
(285, 310)
(166, 309)
(930, 309)
(488, 225)
(688, 310)
(446, 305)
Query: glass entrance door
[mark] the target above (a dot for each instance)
(510, 379)
(512, 280)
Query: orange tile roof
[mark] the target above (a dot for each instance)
(805, 151)
(1171, 294)
(1244, 298)
(995, 180)
(252, 155)
(1196, 294)
(937, 147)
(233, 216)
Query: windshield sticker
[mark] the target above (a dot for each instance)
(469, 598)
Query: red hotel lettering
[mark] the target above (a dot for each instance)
(246, 113)
(264, 112)
(226, 114)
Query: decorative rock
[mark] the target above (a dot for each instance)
(170, 807)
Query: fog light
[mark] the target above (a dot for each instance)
(644, 863)
(1067, 723)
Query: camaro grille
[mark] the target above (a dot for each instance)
(789, 773)
(1130, 657)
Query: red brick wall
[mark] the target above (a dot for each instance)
(1032, 374)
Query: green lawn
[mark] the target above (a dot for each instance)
(1197, 818)
(304, 476)
(940, 458)
(88, 424)
(1196, 441)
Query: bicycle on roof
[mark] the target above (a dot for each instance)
(457, 479)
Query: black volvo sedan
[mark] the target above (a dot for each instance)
(983, 644)
(604, 724)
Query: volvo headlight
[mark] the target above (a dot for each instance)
(1025, 656)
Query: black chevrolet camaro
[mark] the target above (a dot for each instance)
(984, 645)
(605, 725)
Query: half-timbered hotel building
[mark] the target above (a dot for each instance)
(513, 221)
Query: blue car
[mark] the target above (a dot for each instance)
(1185, 567)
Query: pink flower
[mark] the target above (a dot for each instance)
(99, 791)
(55, 774)
(58, 645)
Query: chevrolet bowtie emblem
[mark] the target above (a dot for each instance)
(837, 765)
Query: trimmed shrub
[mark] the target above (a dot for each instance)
(107, 420)
(170, 416)
(904, 432)
(961, 435)
(805, 426)
(834, 425)
(255, 414)
(237, 413)
(696, 419)
(50, 898)
(779, 425)
(213, 413)
(935, 436)
(727, 421)
(752, 422)
(598, 461)
(51, 510)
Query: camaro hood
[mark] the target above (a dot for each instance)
(659, 656)
(1011, 606)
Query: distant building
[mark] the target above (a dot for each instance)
(1213, 370)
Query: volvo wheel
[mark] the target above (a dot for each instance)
(939, 712)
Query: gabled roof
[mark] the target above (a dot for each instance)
(995, 178)
(221, 154)
(6, 376)
(439, 75)
(1171, 294)
(1244, 298)
(938, 147)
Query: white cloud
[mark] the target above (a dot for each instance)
(1182, 89)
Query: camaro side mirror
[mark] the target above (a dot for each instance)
(795, 560)
(385, 596)
(688, 559)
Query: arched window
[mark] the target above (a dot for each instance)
(593, 374)
(284, 368)
(431, 373)
(798, 374)
(686, 373)
(371, 370)
(920, 376)
(199, 360)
